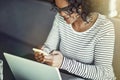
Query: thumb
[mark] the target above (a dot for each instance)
(53, 52)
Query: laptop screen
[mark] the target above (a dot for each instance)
(24, 69)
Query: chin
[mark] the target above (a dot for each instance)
(69, 22)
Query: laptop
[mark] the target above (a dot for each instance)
(25, 69)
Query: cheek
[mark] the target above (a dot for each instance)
(70, 20)
(73, 19)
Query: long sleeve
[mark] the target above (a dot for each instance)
(52, 41)
(103, 55)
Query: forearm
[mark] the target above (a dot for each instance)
(53, 38)
(94, 72)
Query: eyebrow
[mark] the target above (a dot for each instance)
(64, 8)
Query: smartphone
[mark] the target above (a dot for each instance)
(38, 50)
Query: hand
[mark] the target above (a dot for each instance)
(54, 59)
(39, 57)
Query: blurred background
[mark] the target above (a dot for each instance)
(107, 7)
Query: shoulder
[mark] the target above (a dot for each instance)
(59, 19)
(57, 16)
(106, 26)
(104, 20)
(100, 19)
(103, 25)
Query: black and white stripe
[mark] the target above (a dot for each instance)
(87, 54)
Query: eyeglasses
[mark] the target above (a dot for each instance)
(68, 10)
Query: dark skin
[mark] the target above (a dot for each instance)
(40, 58)
(55, 58)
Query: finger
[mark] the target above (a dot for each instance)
(36, 54)
(40, 60)
(39, 57)
(54, 52)
(48, 61)
(48, 57)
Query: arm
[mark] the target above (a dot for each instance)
(103, 54)
(53, 38)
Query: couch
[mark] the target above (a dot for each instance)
(25, 24)
(116, 57)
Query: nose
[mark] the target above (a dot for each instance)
(63, 14)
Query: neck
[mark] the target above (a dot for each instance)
(78, 22)
(80, 25)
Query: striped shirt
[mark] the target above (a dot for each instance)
(87, 55)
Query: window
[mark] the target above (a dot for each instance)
(113, 8)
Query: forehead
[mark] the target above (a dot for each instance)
(61, 3)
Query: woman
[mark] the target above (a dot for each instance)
(80, 43)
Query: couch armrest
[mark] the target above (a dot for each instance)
(116, 57)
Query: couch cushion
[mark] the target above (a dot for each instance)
(116, 58)
(27, 20)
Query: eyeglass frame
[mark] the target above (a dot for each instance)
(68, 9)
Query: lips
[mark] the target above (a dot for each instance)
(66, 18)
